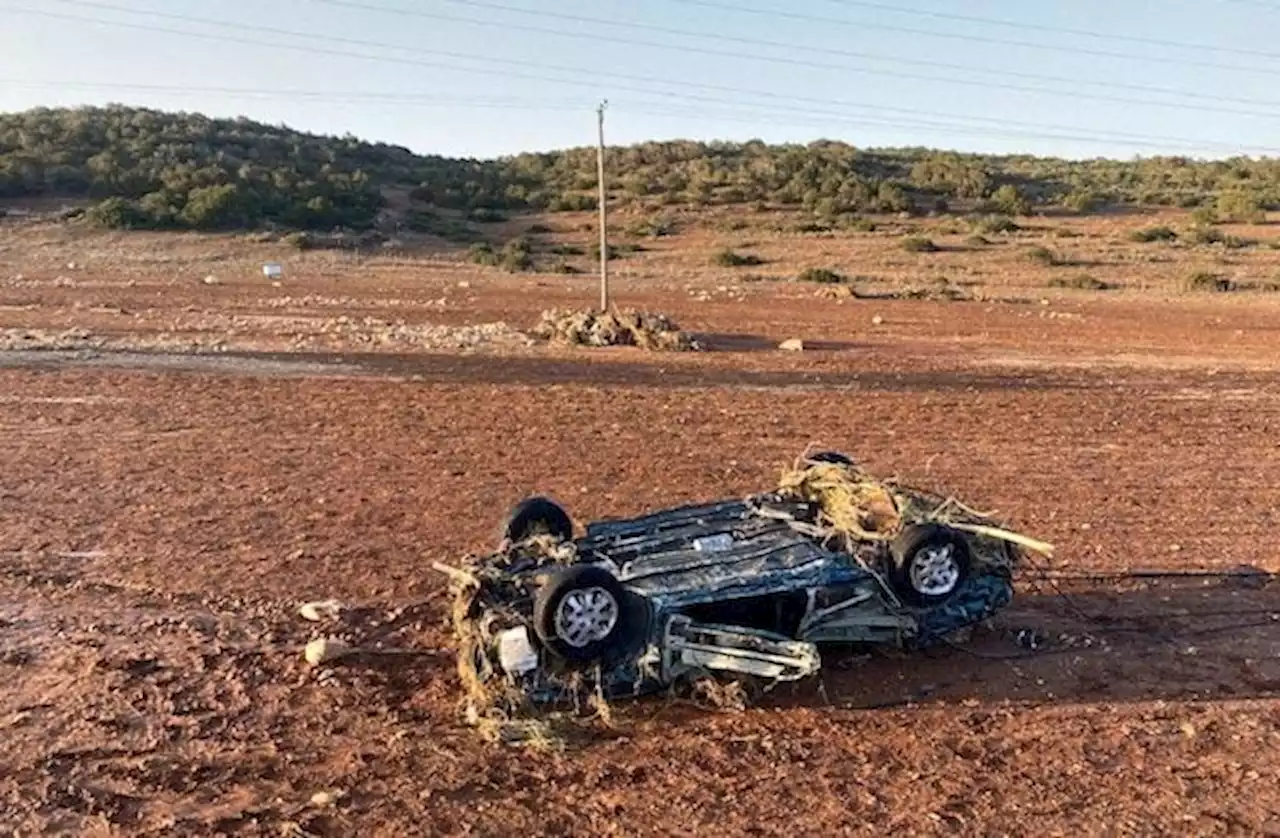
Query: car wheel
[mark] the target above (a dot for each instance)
(929, 564)
(584, 616)
(534, 516)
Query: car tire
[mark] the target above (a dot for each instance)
(930, 563)
(834, 457)
(584, 616)
(534, 516)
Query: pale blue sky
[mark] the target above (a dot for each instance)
(843, 70)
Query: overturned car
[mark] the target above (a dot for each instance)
(744, 588)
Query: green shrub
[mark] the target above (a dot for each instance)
(538, 230)
(1207, 281)
(993, 224)
(918, 244)
(1204, 215)
(516, 255)
(565, 250)
(822, 276)
(117, 214)
(1241, 206)
(482, 253)
(977, 241)
(1082, 201)
(653, 227)
(1042, 256)
(1009, 201)
(1082, 282)
(811, 227)
(300, 241)
(728, 258)
(485, 215)
(1153, 234)
(858, 224)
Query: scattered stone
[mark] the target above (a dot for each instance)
(328, 609)
(877, 320)
(322, 798)
(210, 280)
(464, 284)
(792, 345)
(325, 649)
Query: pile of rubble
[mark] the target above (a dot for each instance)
(646, 330)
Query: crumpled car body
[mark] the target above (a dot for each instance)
(745, 588)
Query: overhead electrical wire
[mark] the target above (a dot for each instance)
(1062, 30)
(578, 80)
(799, 62)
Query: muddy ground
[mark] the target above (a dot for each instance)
(176, 482)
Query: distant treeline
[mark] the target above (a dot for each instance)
(151, 169)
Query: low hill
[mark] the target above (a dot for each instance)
(151, 169)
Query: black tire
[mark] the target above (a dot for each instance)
(909, 576)
(624, 634)
(534, 516)
(831, 457)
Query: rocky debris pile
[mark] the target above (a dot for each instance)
(321, 301)
(937, 292)
(371, 331)
(11, 339)
(646, 330)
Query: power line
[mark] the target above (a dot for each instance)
(981, 39)
(660, 108)
(1060, 30)
(800, 62)
(576, 81)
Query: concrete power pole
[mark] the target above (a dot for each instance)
(604, 236)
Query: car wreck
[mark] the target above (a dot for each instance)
(740, 589)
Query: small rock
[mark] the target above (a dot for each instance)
(210, 280)
(877, 320)
(322, 798)
(464, 284)
(792, 345)
(325, 649)
(1188, 730)
(328, 609)
(71, 266)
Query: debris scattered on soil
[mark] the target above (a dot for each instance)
(325, 649)
(48, 339)
(646, 330)
(792, 345)
(328, 609)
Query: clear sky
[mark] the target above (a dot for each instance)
(482, 78)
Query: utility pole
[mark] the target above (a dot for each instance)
(604, 236)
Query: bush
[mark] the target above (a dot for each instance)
(116, 214)
(1153, 234)
(858, 224)
(1009, 201)
(919, 244)
(485, 215)
(1204, 215)
(728, 258)
(566, 250)
(822, 276)
(1082, 282)
(1212, 235)
(538, 230)
(1042, 256)
(1241, 206)
(1082, 201)
(653, 228)
(516, 255)
(977, 241)
(811, 227)
(1206, 281)
(993, 224)
(481, 253)
(300, 241)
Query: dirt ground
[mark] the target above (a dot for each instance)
(186, 462)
